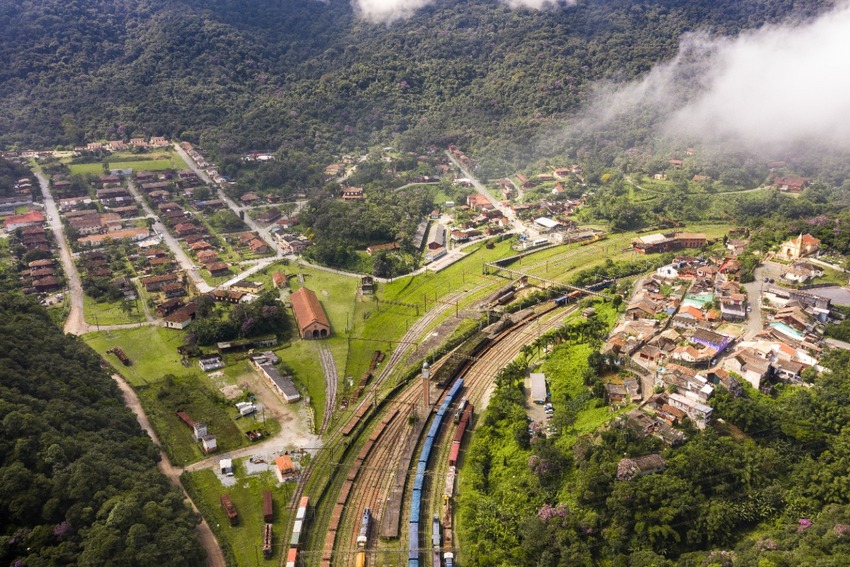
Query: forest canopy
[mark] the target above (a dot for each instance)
(78, 477)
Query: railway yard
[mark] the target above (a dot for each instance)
(375, 451)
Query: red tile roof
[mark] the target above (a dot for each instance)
(307, 309)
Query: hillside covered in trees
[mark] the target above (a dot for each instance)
(78, 478)
(309, 79)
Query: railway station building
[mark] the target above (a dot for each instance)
(309, 315)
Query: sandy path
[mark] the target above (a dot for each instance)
(215, 558)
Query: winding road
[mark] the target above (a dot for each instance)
(215, 558)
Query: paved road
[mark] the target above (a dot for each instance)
(215, 558)
(180, 254)
(753, 290)
(246, 218)
(507, 211)
(75, 323)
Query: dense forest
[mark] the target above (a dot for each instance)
(310, 80)
(78, 477)
(765, 485)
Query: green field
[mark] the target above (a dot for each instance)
(243, 541)
(158, 161)
(110, 313)
(191, 394)
(152, 350)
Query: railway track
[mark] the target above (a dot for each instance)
(379, 470)
(337, 443)
(331, 381)
(370, 476)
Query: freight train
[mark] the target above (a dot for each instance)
(298, 532)
(419, 479)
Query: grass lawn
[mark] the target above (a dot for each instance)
(243, 541)
(400, 303)
(157, 161)
(152, 350)
(109, 313)
(192, 394)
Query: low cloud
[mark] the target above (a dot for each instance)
(391, 10)
(769, 90)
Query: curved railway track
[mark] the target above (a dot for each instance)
(337, 442)
(378, 469)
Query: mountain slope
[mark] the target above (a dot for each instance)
(308, 75)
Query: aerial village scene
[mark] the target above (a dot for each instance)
(164, 269)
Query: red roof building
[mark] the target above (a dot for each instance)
(15, 222)
(309, 315)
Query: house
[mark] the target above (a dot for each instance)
(545, 224)
(71, 203)
(478, 201)
(698, 412)
(627, 469)
(209, 444)
(257, 246)
(367, 285)
(279, 280)
(615, 393)
(788, 370)
(803, 245)
(667, 272)
(211, 362)
(181, 318)
(283, 385)
(218, 269)
(249, 198)
(352, 194)
(708, 338)
(14, 222)
(736, 246)
(155, 283)
(801, 272)
(749, 366)
(207, 256)
(791, 183)
(389, 247)
(283, 468)
(172, 290)
(247, 286)
(733, 307)
(133, 234)
(269, 215)
(641, 308)
(309, 315)
(437, 238)
(200, 245)
(227, 295)
(185, 229)
(169, 306)
(656, 243)
(43, 285)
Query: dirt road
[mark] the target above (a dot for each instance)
(76, 323)
(293, 420)
(215, 558)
